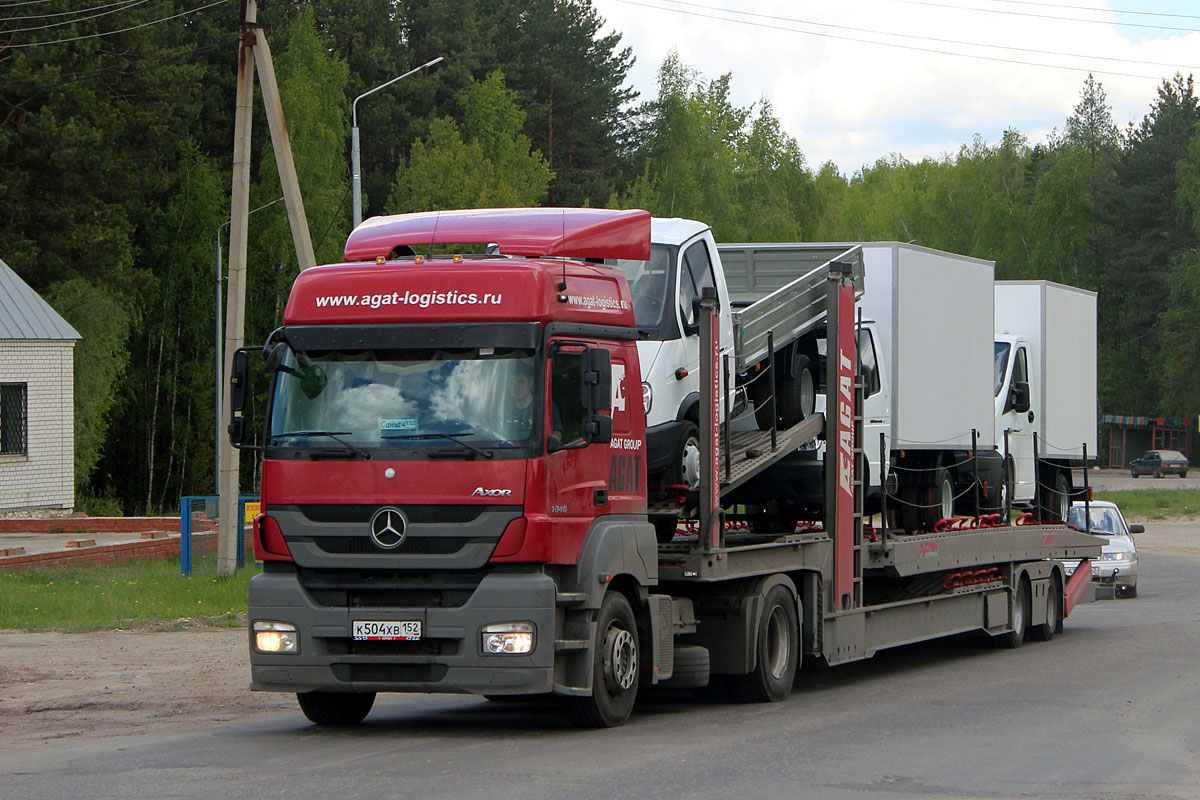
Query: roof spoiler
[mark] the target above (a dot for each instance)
(537, 232)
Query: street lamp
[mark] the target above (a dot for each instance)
(355, 166)
(220, 348)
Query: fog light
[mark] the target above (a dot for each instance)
(275, 637)
(508, 638)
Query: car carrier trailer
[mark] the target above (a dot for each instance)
(399, 558)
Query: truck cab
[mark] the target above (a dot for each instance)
(1015, 418)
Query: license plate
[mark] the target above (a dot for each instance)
(1070, 571)
(386, 631)
(1095, 571)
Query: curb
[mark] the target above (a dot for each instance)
(131, 551)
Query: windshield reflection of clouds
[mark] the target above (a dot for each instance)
(406, 394)
(1104, 520)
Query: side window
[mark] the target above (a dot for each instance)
(695, 274)
(566, 397)
(14, 418)
(870, 368)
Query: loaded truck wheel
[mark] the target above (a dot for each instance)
(759, 389)
(777, 650)
(922, 505)
(1020, 617)
(797, 396)
(614, 668)
(1055, 502)
(1054, 602)
(336, 708)
(685, 466)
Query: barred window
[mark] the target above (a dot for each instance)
(14, 415)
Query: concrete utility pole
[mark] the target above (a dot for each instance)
(253, 51)
(355, 161)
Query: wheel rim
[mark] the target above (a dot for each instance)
(779, 640)
(1052, 610)
(620, 659)
(947, 498)
(808, 394)
(689, 468)
(1019, 613)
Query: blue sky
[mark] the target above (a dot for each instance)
(858, 80)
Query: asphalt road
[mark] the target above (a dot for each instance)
(1107, 710)
(1104, 480)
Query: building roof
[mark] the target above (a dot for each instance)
(25, 315)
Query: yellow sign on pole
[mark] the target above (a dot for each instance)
(252, 510)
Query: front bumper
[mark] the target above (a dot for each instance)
(1118, 574)
(448, 657)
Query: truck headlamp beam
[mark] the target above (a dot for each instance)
(508, 638)
(275, 637)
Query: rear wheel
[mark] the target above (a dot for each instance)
(1157, 472)
(614, 668)
(777, 652)
(923, 505)
(336, 708)
(1020, 617)
(797, 394)
(1055, 497)
(1045, 632)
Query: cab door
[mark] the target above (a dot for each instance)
(1019, 421)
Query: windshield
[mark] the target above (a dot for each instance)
(412, 398)
(652, 289)
(1000, 365)
(1104, 520)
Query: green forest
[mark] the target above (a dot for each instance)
(116, 144)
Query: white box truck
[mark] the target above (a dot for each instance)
(1045, 388)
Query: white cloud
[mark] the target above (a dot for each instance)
(853, 103)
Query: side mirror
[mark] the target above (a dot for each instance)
(1135, 528)
(238, 380)
(237, 431)
(598, 429)
(553, 443)
(693, 328)
(273, 355)
(596, 379)
(1020, 397)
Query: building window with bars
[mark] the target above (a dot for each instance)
(14, 416)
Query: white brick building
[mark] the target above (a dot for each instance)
(37, 412)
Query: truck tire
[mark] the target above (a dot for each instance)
(1020, 617)
(1054, 603)
(778, 650)
(665, 528)
(797, 396)
(684, 469)
(1056, 501)
(922, 505)
(614, 668)
(336, 708)
(759, 389)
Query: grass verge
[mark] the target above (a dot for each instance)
(130, 594)
(1147, 504)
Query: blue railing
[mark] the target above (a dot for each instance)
(185, 528)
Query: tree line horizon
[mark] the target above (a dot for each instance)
(117, 155)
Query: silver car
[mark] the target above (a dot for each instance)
(1117, 567)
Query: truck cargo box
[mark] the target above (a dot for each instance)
(1059, 322)
(934, 315)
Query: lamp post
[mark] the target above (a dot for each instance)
(355, 166)
(220, 350)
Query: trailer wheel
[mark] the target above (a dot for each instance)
(1020, 617)
(797, 396)
(778, 648)
(336, 708)
(1045, 632)
(614, 668)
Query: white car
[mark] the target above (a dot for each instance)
(1117, 567)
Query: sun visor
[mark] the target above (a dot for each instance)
(538, 232)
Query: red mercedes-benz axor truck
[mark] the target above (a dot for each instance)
(454, 493)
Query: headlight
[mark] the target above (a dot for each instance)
(275, 637)
(647, 398)
(1116, 556)
(508, 638)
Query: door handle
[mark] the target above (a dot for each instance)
(1031, 416)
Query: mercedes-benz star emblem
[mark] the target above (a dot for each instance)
(387, 527)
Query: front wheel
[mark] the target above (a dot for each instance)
(797, 396)
(777, 652)
(1133, 473)
(336, 708)
(614, 668)
(1157, 473)
(685, 463)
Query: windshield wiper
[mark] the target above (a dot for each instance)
(364, 454)
(451, 436)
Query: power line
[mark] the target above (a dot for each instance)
(61, 13)
(128, 4)
(1043, 16)
(935, 39)
(123, 30)
(1097, 8)
(893, 44)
